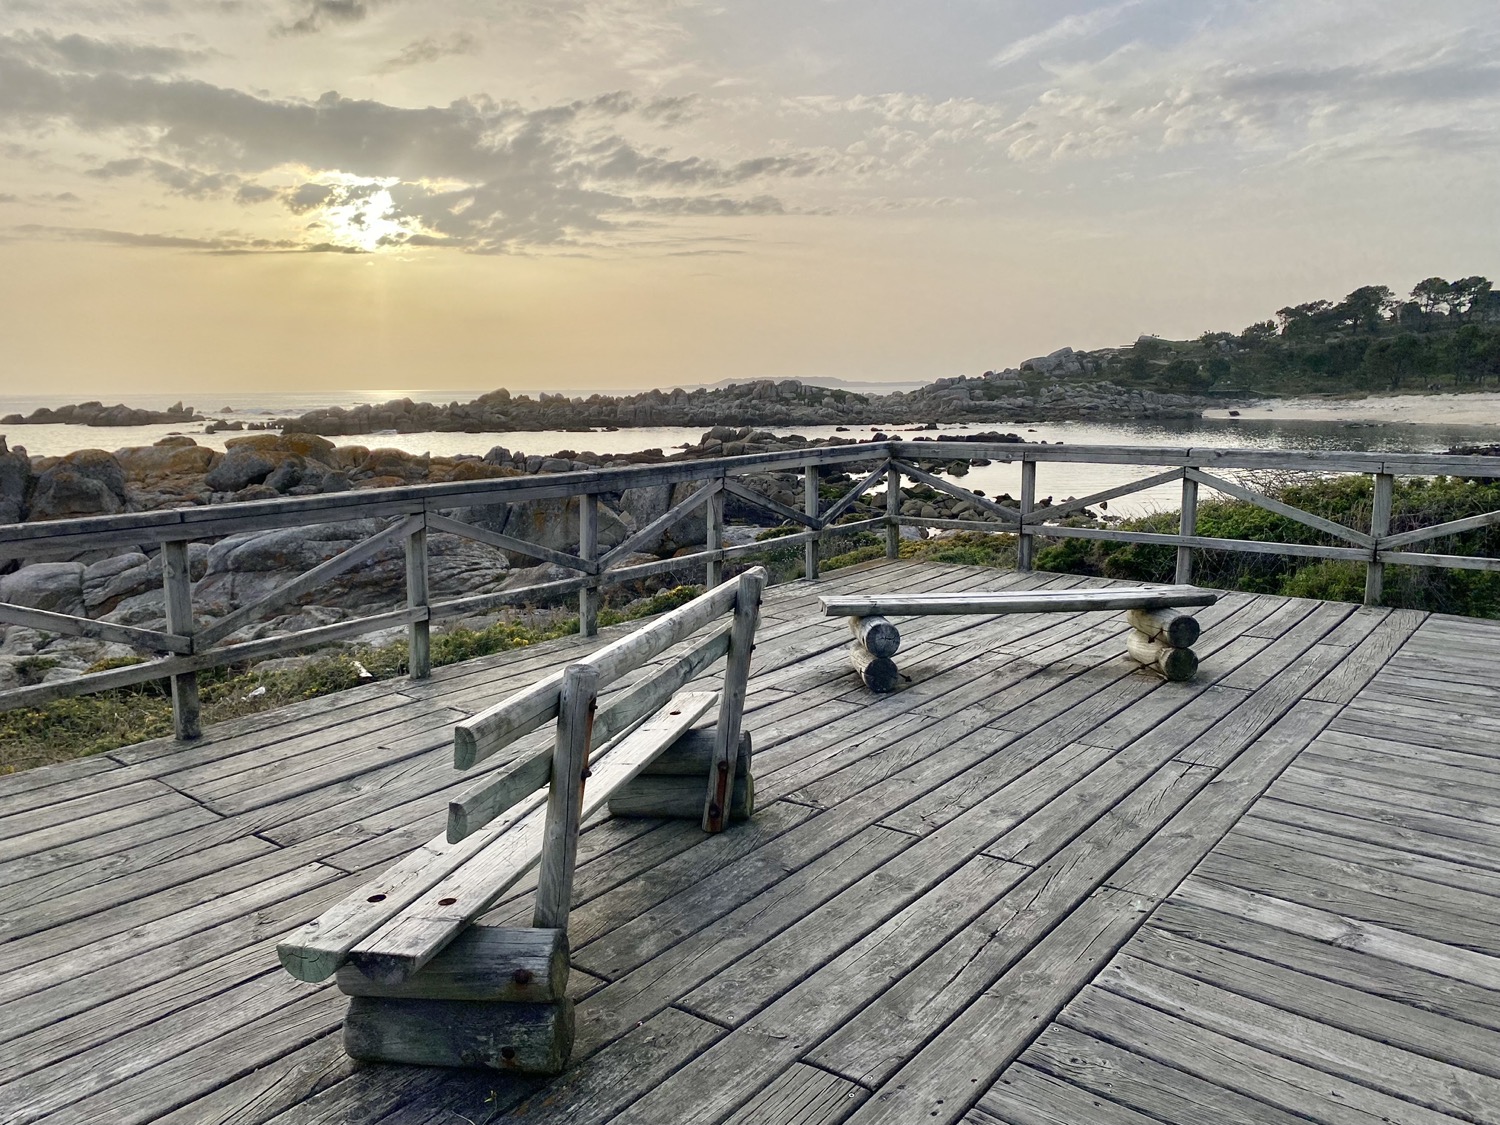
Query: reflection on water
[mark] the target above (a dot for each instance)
(1058, 481)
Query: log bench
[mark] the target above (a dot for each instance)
(428, 985)
(1161, 637)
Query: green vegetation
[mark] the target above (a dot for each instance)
(1417, 503)
(1444, 336)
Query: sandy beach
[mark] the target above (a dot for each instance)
(1480, 408)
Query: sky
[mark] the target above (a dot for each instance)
(580, 195)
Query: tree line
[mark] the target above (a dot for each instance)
(1444, 335)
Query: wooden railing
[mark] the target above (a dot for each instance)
(414, 512)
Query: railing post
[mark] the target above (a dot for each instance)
(810, 505)
(588, 550)
(732, 703)
(714, 572)
(1025, 542)
(892, 509)
(177, 585)
(1187, 525)
(1380, 525)
(570, 758)
(418, 633)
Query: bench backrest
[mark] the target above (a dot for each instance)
(500, 830)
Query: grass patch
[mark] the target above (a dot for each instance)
(107, 720)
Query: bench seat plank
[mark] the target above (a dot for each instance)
(402, 945)
(315, 952)
(1020, 601)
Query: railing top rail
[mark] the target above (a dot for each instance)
(1337, 461)
(25, 539)
(195, 522)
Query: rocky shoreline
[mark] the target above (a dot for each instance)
(124, 586)
(97, 414)
(1005, 396)
(1055, 388)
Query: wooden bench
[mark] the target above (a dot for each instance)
(430, 987)
(1161, 638)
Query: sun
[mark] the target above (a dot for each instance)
(362, 216)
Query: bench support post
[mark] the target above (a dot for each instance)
(732, 702)
(418, 633)
(1025, 541)
(575, 722)
(714, 572)
(892, 510)
(810, 505)
(1380, 525)
(588, 550)
(1187, 525)
(177, 585)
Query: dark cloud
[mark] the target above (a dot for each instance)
(187, 182)
(430, 50)
(219, 245)
(478, 174)
(89, 55)
(318, 14)
(307, 197)
(254, 193)
(709, 205)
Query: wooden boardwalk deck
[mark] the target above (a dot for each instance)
(1034, 886)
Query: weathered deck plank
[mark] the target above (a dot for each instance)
(1033, 885)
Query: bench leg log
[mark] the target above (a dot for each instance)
(1176, 664)
(495, 997)
(1171, 626)
(498, 964)
(878, 635)
(672, 785)
(522, 1038)
(879, 673)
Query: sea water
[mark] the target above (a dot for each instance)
(1272, 426)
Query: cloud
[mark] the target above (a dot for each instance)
(1253, 107)
(318, 14)
(249, 194)
(476, 174)
(430, 50)
(709, 205)
(1076, 26)
(90, 55)
(219, 245)
(182, 181)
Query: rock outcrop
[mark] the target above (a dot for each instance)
(90, 482)
(994, 396)
(97, 414)
(54, 586)
(15, 483)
